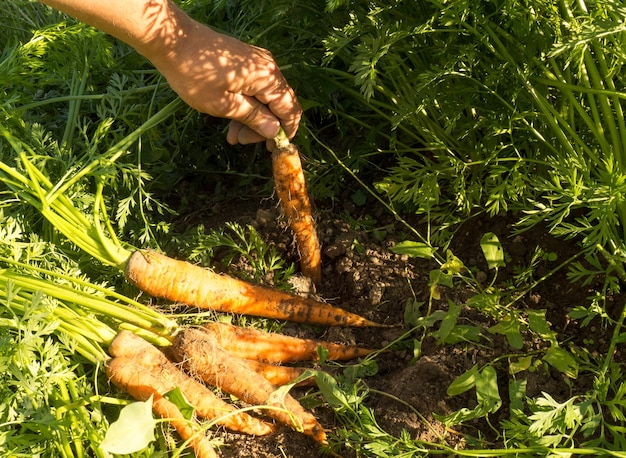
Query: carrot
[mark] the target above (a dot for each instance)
(294, 200)
(279, 375)
(269, 347)
(139, 382)
(165, 376)
(204, 358)
(186, 283)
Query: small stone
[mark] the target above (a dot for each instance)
(343, 265)
(341, 245)
(263, 217)
(376, 294)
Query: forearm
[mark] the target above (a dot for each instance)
(152, 27)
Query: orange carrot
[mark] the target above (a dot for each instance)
(203, 358)
(269, 347)
(139, 382)
(166, 376)
(279, 375)
(186, 283)
(294, 200)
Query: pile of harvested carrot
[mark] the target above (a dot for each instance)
(243, 362)
(202, 357)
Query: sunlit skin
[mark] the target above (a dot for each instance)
(212, 72)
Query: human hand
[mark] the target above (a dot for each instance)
(212, 72)
(224, 77)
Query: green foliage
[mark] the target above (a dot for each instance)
(231, 242)
(452, 108)
(490, 107)
(49, 407)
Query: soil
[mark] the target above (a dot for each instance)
(361, 274)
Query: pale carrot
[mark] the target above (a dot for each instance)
(165, 376)
(279, 375)
(294, 200)
(269, 347)
(139, 382)
(205, 359)
(180, 281)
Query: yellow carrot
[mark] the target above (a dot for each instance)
(202, 357)
(165, 376)
(263, 346)
(294, 200)
(180, 281)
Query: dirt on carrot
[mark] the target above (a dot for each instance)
(182, 282)
(268, 347)
(163, 376)
(141, 384)
(204, 358)
(290, 187)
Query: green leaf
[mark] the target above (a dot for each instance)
(487, 395)
(538, 323)
(579, 312)
(562, 360)
(463, 333)
(177, 397)
(414, 249)
(519, 365)
(509, 327)
(417, 350)
(330, 390)
(278, 395)
(322, 354)
(366, 368)
(453, 265)
(436, 278)
(492, 250)
(487, 392)
(412, 313)
(448, 323)
(359, 197)
(459, 416)
(132, 431)
(517, 395)
(463, 382)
